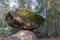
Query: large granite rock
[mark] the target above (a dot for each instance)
(24, 19)
(22, 35)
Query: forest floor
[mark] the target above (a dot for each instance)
(51, 38)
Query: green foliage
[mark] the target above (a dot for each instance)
(21, 3)
(51, 13)
(51, 20)
(4, 10)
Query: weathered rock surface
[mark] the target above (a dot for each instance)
(22, 35)
(25, 35)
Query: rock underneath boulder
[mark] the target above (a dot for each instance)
(23, 35)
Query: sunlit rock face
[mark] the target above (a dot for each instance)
(23, 35)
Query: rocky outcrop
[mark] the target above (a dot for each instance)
(21, 35)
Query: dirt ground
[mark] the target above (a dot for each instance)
(52, 38)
